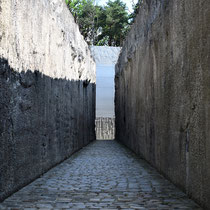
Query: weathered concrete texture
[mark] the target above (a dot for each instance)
(47, 90)
(105, 128)
(163, 93)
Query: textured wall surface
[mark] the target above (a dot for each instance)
(47, 90)
(163, 92)
(105, 128)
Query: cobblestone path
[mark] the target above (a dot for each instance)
(103, 175)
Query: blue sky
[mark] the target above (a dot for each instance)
(128, 3)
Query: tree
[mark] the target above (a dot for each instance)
(135, 11)
(101, 25)
(113, 20)
(84, 13)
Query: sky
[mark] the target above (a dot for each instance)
(128, 3)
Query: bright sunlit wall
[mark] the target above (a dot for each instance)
(106, 58)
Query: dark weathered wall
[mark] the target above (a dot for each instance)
(105, 128)
(163, 92)
(47, 90)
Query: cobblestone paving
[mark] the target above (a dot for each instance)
(103, 175)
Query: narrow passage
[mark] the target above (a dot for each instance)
(103, 175)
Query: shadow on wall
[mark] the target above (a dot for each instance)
(42, 122)
(162, 97)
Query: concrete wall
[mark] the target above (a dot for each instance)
(163, 92)
(47, 90)
(105, 128)
(105, 58)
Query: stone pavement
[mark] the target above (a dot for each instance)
(103, 175)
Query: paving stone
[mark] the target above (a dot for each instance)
(103, 175)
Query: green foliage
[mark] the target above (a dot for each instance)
(101, 25)
(113, 20)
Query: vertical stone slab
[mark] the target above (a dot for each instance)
(163, 94)
(47, 90)
(105, 128)
(105, 58)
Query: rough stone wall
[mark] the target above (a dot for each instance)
(47, 90)
(163, 92)
(105, 128)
